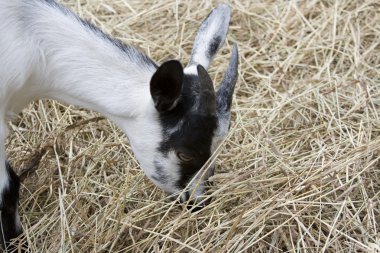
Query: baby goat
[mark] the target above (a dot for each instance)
(171, 115)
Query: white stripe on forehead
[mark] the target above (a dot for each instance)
(191, 70)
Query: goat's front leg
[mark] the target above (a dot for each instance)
(10, 226)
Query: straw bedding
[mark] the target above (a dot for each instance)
(299, 172)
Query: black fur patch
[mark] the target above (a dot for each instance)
(8, 207)
(213, 48)
(194, 137)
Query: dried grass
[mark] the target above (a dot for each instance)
(299, 172)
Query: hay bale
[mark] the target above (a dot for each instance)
(299, 171)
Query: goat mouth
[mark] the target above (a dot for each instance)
(193, 205)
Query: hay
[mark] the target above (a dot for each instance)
(299, 172)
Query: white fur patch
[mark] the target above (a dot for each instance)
(191, 70)
(170, 166)
(51, 54)
(4, 181)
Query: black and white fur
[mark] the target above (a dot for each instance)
(171, 115)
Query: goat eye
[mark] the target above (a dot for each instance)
(183, 157)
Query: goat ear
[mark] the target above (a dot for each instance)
(226, 89)
(166, 85)
(211, 35)
(207, 103)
